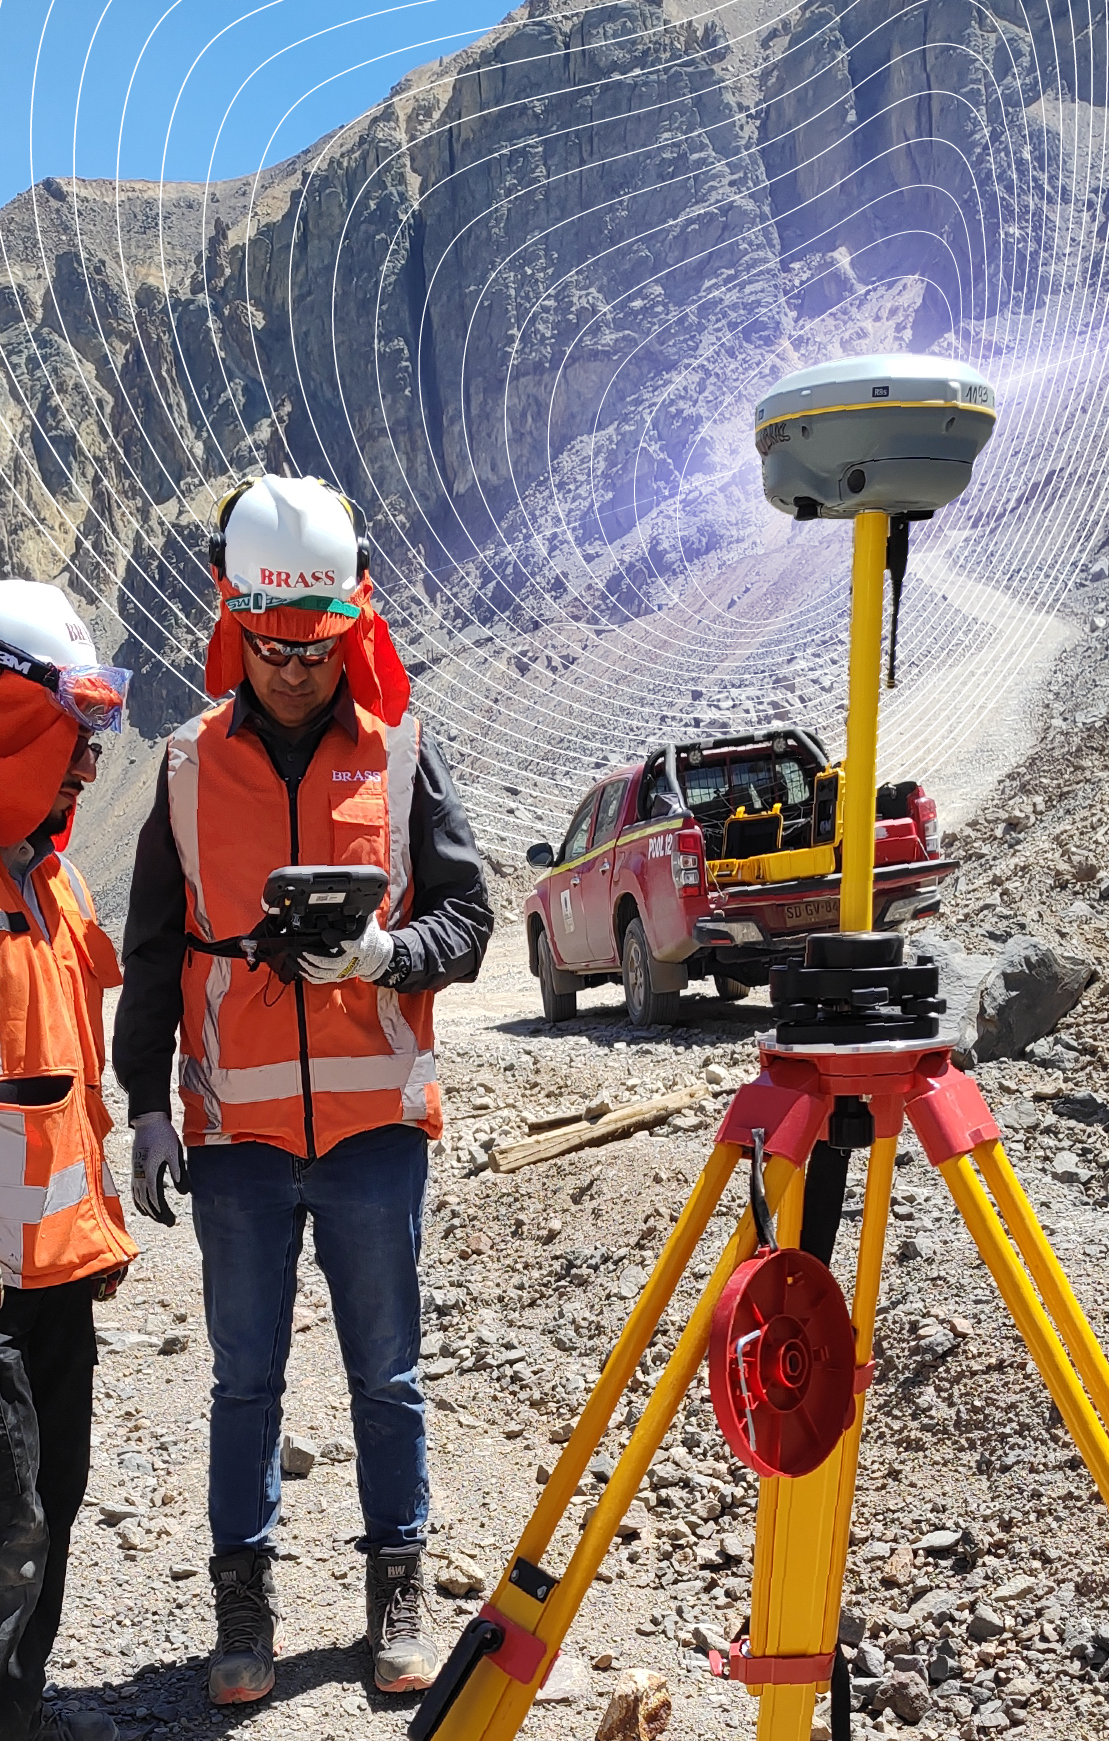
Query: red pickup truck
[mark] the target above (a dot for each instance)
(714, 859)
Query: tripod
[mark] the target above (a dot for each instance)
(843, 1071)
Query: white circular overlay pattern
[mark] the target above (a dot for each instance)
(522, 308)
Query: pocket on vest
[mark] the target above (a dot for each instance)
(358, 826)
(47, 1222)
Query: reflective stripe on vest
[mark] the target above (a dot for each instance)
(371, 1057)
(403, 748)
(327, 1075)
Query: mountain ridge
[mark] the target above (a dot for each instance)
(522, 310)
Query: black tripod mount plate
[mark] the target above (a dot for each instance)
(854, 988)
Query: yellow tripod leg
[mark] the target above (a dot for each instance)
(785, 1713)
(1047, 1273)
(868, 1284)
(473, 1712)
(1029, 1317)
(804, 1524)
(501, 1720)
(637, 1332)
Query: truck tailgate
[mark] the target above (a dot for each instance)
(813, 904)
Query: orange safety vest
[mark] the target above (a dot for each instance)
(301, 1066)
(60, 1214)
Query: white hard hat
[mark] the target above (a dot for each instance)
(38, 619)
(289, 541)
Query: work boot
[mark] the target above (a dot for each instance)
(405, 1659)
(59, 1725)
(247, 1618)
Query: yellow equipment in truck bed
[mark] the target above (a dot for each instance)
(774, 867)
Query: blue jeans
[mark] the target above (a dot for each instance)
(250, 1203)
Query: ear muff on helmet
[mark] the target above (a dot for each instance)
(217, 540)
(358, 521)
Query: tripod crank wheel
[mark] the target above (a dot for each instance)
(782, 1363)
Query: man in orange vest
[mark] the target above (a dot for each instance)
(312, 1094)
(62, 1238)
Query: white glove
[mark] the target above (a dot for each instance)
(154, 1147)
(367, 957)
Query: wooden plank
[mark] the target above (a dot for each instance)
(622, 1121)
(553, 1121)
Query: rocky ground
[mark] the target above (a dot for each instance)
(977, 1596)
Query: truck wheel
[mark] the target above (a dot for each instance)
(646, 1006)
(558, 1006)
(729, 990)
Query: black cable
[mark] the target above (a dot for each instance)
(897, 561)
(759, 1209)
(841, 1697)
(825, 1189)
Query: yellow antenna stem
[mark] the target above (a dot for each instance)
(861, 782)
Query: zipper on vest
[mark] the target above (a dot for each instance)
(293, 787)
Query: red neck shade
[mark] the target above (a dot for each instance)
(37, 741)
(378, 680)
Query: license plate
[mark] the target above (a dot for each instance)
(799, 915)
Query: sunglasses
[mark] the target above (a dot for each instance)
(273, 652)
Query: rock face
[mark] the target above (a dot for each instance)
(497, 306)
(962, 978)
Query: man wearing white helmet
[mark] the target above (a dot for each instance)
(62, 1238)
(310, 1093)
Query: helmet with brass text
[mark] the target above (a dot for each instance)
(290, 564)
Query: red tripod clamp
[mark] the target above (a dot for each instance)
(770, 1671)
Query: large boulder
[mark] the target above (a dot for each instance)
(962, 980)
(997, 1005)
(1030, 990)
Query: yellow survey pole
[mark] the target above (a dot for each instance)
(1047, 1273)
(1029, 1317)
(868, 570)
(557, 1614)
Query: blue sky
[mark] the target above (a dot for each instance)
(251, 80)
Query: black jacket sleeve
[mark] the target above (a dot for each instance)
(150, 1004)
(451, 920)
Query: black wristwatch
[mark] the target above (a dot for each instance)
(399, 968)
